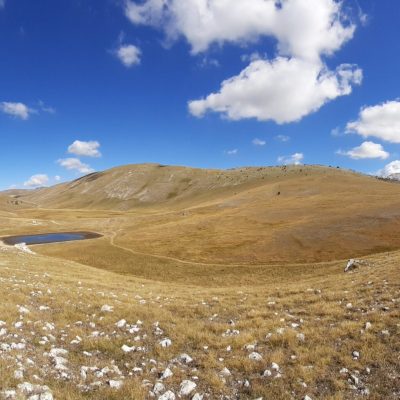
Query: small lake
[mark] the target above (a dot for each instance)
(49, 238)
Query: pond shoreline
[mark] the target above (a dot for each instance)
(59, 237)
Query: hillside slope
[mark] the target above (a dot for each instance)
(242, 216)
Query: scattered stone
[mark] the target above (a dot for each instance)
(187, 387)
(167, 396)
(158, 388)
(126, 349)
(185, 358)
(166, 374)
(166, 342)
(115, 384)
(121, 323)
(255, 356)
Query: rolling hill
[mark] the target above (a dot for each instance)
(242, 216)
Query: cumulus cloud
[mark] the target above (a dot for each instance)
(304, 28)
(232, 152)
(16, 110)
(37, 181)
(129, 55)
(366, 150)
(283, 90)
(390, 170)
(259, 142)
(294, 159)
(45, 108)
(88, 149)
(381, 121)
(75, 164)
(282, 138)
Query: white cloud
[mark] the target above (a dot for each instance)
(45, 108)
(37, 180)
(75, 164)
(304, 28)
(232, 152)
(390, 170)
(88, 149)
(283, 90)
(282, 138)
(57, 178)
(337, 132)
(294, 159)
(209, 62)
(129, 55)
(17, 110)
(252, 57)
(366, 150)
(381, 121)
(259, 142)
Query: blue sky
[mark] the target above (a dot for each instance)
(88, 85)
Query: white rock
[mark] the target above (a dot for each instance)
(166, 374)
(46, 396)
(275, 366)
(356, 355)
(301, 337)
(126, 349)
(166, 342)
(185, 358)
(19, 374)
(167, 396)
(121, 323)
(255, 356)
(267, 373)
(26, 388)
(368, 326)
(9, 394)
(197, 396)
(158, 388)
(55, 352)
(225, 372)
(306, 397)
(107, 308)
(115, 384)
(187, 387)
(23, 310)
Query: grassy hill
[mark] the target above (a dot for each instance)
(238, 273)
(242, 216)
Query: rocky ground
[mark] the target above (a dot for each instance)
(72, 332)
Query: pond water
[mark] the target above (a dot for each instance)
(49, 238)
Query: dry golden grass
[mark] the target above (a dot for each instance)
(196, 316)
(226, 217)
(211, 260)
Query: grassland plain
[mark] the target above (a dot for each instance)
(230, 290)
